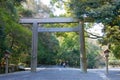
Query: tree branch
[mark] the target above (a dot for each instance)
(94, 36)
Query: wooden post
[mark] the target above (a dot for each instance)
(106, 53)
(107, 65)
(6, 66)
(34, 47)
(83, 59)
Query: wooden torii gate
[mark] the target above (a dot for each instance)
(37, 29)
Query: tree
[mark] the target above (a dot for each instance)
(99, 11)
(35, 9)
(93, 54)
(2, 41)
(48, 47)
(12, 33)
(47, 42)
(69, 48)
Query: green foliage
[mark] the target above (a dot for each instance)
(47, 48)
(99, 10)
(2, 41)
(69, 48)
(112, 37)
(51, 47)
(93, 56)
(116, 50)
(26, 13)
(13, 36)
(114, 63)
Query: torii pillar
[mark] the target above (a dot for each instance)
(83, 58)
(34, 47)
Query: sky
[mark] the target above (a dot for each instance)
(57, 11)
(47, 2)
(97, 29)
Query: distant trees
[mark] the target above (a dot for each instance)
(13, 36)
(56, 47)
(98, 11)
(48, 47)
(105, 12)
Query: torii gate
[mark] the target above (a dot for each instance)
(37, 29)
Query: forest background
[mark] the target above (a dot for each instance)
(53, 48)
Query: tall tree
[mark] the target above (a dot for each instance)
(100, 11)
(47, 42)
(12, 32)
(37, 8)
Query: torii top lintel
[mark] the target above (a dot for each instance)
(47, 20)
